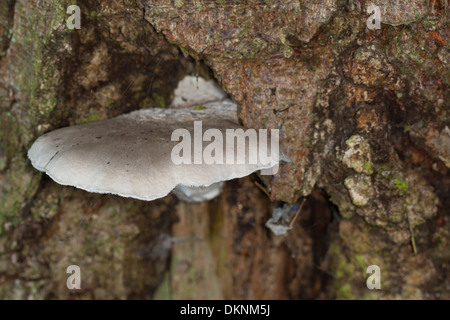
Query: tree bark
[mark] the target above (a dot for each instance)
(363, 115)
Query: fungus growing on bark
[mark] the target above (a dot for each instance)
(148, 153)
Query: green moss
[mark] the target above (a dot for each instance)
(36, 79)
(351, 140)
(179, 3)
(199, 107)
(345, 292)
(39, 78)
(3, 159)
(90, 118)
(343, 271)
(252, 49)
(368, 167)
(401, 185)
(359, 259)
(159, 101)
(175, 43)
(163, 290)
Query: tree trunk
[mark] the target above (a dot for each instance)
(364, 116)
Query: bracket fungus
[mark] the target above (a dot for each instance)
(148, 153)
(196, 91)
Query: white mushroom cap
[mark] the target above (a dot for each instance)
(130, 155)
(198, 194)
(196, 90)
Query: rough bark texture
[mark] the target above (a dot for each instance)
(364, 117)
